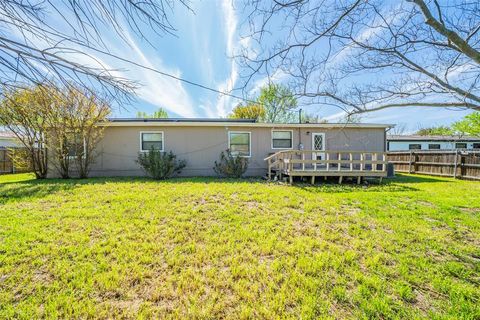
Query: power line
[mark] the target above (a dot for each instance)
(175, 77)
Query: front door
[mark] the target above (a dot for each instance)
(318, 144)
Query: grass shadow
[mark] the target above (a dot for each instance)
(15, 190)
(411, 178)
(332, 186)
(32, 188)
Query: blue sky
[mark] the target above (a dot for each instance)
(202, 52)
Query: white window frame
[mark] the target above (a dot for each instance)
(249, 142)
(141, 141)
(279, 130)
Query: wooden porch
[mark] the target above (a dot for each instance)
(329, 163)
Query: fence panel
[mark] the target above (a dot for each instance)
(447, 163)
(6, 163)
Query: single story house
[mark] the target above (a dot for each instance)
(200, 142)
(9, 140)
(416, 142)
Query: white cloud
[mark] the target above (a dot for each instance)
(230, 20)
(158, 89)
(335, 117)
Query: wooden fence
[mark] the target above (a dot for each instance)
(454, 163)
(6, 163)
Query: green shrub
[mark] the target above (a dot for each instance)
(160, 165)
(231, 166)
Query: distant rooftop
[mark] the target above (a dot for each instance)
(7, 134)
(182, 120)
(431, 138)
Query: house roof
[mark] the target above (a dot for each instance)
(202, 120)
(431, 138)
(7, 135)
(209, 122)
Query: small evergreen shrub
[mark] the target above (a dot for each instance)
(230, 166)
(160, 165)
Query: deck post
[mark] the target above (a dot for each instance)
(351, 162)
(313, 179)
(381, 178)
(359, 180)
(328, 158)
(340, 180)
(290, 178)
(269, 169)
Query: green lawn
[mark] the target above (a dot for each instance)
(210, 248)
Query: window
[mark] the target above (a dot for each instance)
(415, 146)
(434, 146)
(74, 145)
(281, 139)
(460, 145)
(476, 146)
(239, 143)
(149, 140)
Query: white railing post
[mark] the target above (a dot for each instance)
(303, 159)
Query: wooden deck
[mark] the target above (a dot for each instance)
(330, 163)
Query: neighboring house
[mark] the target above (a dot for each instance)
(8, 140)
(416, 142)
(200, 142)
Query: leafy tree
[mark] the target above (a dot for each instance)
(159, 114)
(435, 131)
(279, 104)
(75, 131)
(63, 121)
(249, 111)
(23, 112)
(469, 125)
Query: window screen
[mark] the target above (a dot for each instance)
(239, 143)
(281, 139)
(460, 145)
(152, 140)
(434, 146)
(476, 146)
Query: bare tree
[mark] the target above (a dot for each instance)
(368, 55)
(44, 41)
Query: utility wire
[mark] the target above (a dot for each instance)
(176, 78)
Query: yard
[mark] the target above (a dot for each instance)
(210, 248)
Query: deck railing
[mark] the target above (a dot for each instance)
(338, 163)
